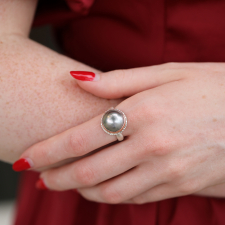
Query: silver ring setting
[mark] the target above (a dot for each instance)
(114, 122)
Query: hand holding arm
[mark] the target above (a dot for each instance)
(174, 142)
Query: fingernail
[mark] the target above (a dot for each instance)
(22, 164)
(41, 185)
(85, 76)
(75, 190)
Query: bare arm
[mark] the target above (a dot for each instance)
(38, 98)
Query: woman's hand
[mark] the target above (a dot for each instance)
(175, 137)
(38, 99)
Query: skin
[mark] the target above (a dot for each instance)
(175, 138)
(182, 131)
(38, 96)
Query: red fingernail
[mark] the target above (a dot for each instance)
(22, 164)
(75, 190)
(84, 75)
(41, 185)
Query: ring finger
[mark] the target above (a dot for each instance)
(75, 142)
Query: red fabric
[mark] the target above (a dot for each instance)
(80, 6)
(119, 34)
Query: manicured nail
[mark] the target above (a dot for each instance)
(22, 164)
(41, 185)
(85, 76)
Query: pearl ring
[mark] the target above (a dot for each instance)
(114, 122)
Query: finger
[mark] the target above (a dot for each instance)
(123, 187)
(94, 169)
(123, 83)
(59, 164)
(158, 193)
(127, 202)
(75, 142)
(154, 194)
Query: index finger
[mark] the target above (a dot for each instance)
(75, 142)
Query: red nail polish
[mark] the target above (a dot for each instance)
(83, 75)
(21, 164)
(41, 185)
(75, 190)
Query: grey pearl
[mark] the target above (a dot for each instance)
(113, 120)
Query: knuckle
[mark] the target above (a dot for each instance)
(145, 149)
(147, 112)
(171, 65)
(176, 69)
(85, 176)
(189, 187)
(160, 145)
(53, 182)
(133, 119)
(85, 195)
(139, 200)
(119, 78)
(157, 145)
(152, 111)
(110, 196)
(176, 171)
(77, 144)
(144, 114)
(160, 151)
(122, 75)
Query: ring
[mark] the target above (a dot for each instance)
(114, 122)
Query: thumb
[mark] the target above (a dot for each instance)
(124, 83)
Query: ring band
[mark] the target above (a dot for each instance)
(114, 122)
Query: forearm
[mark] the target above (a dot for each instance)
(38, 97)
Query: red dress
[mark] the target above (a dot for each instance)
(115, 34)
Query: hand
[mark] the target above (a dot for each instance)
(174, 142)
